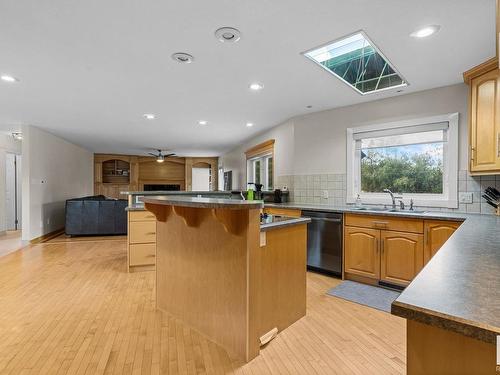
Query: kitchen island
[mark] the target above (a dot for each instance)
(224, 274)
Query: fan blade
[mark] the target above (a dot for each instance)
(153, 154)
(167, 155)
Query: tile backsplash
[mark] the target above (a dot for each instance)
(312, 188)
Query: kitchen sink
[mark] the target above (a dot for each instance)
(385, 209)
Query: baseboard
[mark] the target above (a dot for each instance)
(47, 237)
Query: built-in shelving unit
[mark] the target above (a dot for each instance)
(116, 172)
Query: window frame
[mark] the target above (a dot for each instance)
(449, 198)
(262, 152)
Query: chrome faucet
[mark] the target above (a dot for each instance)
(393, 197)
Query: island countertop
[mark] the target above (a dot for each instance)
(195, 202)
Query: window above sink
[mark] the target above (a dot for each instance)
(416, 159)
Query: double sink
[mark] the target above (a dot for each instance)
(386, 209)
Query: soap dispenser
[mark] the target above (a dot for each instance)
(358, 201)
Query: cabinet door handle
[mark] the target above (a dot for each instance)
(472, 150)
(498, 144)
(427, 232)
(376, 245)
(382, 245)
(150, 233)
(380, 223)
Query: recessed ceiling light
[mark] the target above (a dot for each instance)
(424, 32)
(183, 58)
(202, 122)
(256, 86)
(309, 106)
(249, 124)
(8, 78)
(149, 116)
(228, 34)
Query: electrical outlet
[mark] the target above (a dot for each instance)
(325, 194)
(465, 198)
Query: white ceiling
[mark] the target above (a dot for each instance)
(89, 69)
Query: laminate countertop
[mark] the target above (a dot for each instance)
(232, 204)
(459, 289)
(195, 202)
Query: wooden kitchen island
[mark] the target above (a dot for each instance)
(222, 273)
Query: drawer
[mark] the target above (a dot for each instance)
(282, 211)
(142, 231)
(399, 224)
(141, 216)
(142, 254)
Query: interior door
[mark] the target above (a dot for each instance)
(361, 252)
(402, 256)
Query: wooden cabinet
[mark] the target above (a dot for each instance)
(141, 240)
(362, 252)
(391, 249)
(436, 234)
(485, 122)
(283, 211)
(401, 256)
(484, 118)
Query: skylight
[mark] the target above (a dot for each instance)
(356, 61)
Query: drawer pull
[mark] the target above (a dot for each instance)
(150, 233)
(380, 223)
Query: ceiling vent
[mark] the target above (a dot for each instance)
(228, 34)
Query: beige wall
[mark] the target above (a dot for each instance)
(53, 170)
(316, 143)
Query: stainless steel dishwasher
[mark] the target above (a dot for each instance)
(324, 242)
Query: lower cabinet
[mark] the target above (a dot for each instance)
(402, 256)
(141, 240)
(291, 212)
(436, 234)
(362, 252)
(384, 250)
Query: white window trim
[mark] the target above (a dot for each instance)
(448, 199)
(263, 169)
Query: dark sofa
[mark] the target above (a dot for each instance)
(95, 215)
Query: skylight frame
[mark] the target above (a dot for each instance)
(374, 46)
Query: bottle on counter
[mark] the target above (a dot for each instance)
(358, 201)
(250, 192)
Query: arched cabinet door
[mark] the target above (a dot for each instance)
(436, 234)
(485, 122)
(361, 252)
(402, 256)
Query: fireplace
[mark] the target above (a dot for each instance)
(162, 187)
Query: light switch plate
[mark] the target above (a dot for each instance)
(465, 197)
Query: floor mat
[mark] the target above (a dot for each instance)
(368, 295)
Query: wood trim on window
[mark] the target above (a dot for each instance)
(263, 148)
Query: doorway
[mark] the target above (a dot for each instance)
(201, 177)
(13, 192)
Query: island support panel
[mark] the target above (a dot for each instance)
(432, 350)
(207, 273)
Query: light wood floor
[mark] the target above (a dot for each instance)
(11, 241)
(69, 307)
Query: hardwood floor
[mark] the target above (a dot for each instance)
(11, 241)
(70, 307)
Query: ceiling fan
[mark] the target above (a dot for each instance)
(160, 156)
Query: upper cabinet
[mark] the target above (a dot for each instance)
(484, 119)
(484, 114)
